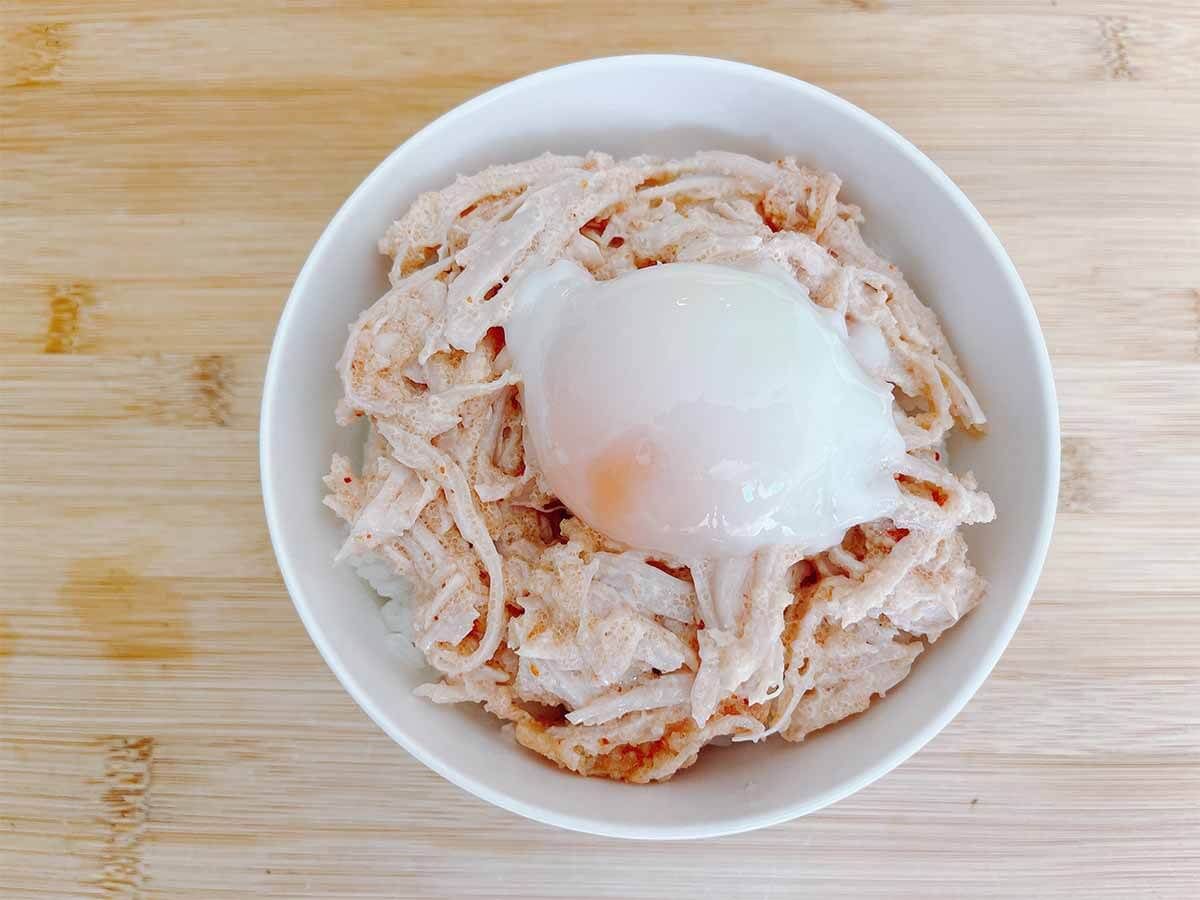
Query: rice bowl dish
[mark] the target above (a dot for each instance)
(609, 657)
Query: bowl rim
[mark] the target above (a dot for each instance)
(583, 822)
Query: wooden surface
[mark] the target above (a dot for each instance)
(166, 727)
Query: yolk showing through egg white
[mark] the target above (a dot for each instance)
(699, 410)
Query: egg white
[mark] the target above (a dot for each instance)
(701, 411)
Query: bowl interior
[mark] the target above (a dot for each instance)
(671, 106)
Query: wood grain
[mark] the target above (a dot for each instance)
(166, 727)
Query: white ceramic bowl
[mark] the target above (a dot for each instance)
(670, 105)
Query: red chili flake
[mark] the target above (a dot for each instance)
(937, 456)
(347, 479)
(897, 534)
(939, 497)
(358, 412)
(604, 742)
(700, 625)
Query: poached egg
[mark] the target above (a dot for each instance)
(701, 411)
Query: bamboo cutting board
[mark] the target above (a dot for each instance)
(166, 727)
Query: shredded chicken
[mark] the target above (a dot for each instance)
(607, 660)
